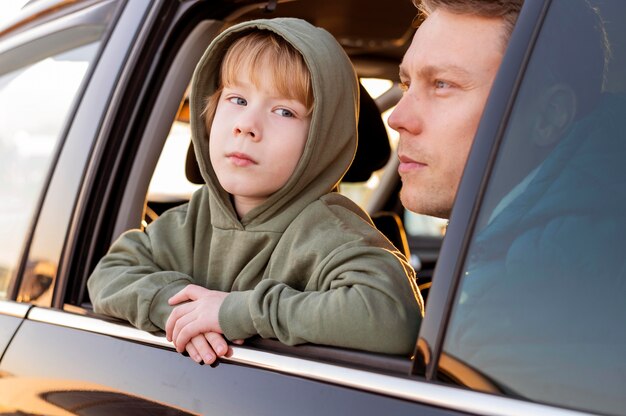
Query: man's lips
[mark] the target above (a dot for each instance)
(240, 159)
(409, 165)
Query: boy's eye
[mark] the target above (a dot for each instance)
(238, 100)
(284, 112)
(404, 86)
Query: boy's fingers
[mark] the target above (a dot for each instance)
(193, 352)
(169, 326)
(218, 343)
(176, 314)
(189, 292)
(204, 349)
(238, 341)
(181, 296)
(184, 330)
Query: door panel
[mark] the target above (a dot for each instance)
(8, 326)
(11, 316)
(117, 369)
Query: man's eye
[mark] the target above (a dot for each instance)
(284, 112)
(441, 84)
(238, 101)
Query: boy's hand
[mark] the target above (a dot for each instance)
(207, 347)
(199, 315)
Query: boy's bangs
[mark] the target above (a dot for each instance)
(259, 52)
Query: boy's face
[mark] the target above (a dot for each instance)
(256, 140)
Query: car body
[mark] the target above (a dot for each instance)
(89, 93)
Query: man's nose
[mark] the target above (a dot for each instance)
(405, 117)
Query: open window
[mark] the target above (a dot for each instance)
(149, 175)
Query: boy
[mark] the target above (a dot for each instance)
(266, 248)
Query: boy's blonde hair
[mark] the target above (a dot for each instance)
(290, 75)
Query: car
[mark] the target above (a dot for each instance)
(524, 320)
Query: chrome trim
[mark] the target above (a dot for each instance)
(99, 326)
(403, 388)
(18, 310)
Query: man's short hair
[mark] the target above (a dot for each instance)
(507, 10)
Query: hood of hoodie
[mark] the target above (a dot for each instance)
(332, 139)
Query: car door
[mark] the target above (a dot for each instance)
(11, 316)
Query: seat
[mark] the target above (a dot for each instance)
(390, 224)
(372, 154)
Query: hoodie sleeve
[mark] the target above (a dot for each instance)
(134, 280)
(367, 301)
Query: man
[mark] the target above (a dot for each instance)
(447, 74)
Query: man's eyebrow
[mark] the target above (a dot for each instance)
(444, 69)
(428, 71)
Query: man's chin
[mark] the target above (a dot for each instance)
(417, 200)
(411, 200)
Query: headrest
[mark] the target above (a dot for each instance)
(373, 150)
(372, 153)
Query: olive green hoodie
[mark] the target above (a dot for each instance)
(306, 265)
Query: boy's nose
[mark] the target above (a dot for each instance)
(247, 126)
(242, 131)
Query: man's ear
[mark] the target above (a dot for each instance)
(556, 114)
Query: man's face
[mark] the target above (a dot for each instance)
(447, 74)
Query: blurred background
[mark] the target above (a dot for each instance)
(8, 8)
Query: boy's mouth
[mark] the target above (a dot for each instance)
(240, 159)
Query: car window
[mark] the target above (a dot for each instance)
(540, 312)
(38, 85)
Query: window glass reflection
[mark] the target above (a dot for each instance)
(34, 104)
(541, 310)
